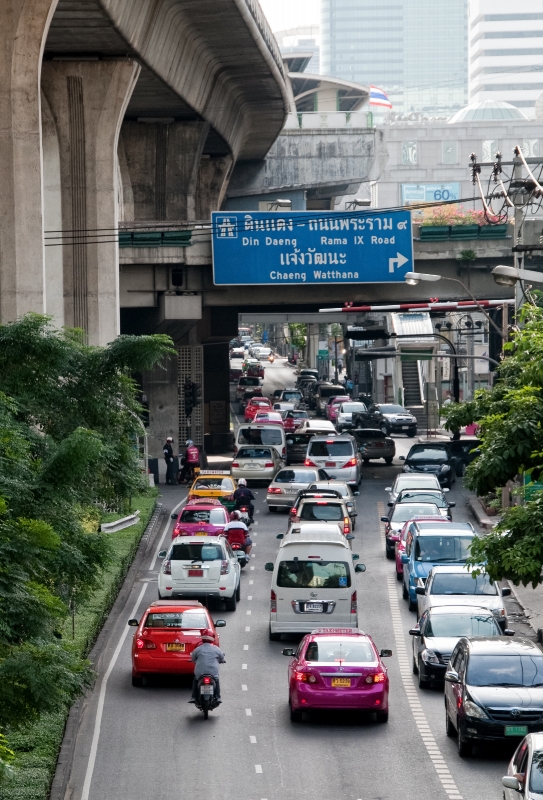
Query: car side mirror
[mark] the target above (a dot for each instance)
(510, 782)
(390, 504)
(414, 631)
(385, 519)
(360, 568)
(280, 536)
(506, 592)
(288, 651)
(451, 676)
(404, 558)
(174, 516)
(388, 489)
(133, 623)
(420, 590)
(509, 632)
(402, 458)
(220, 623)
(385, 654)
(268, 566)
(162, 554)
(452, 505)
(356, 494)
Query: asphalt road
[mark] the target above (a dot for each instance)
(148, 743)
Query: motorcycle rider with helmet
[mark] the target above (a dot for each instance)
(192, 460)
(244, 497)
(237, 532)
(207, 657)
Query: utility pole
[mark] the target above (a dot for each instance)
(518, 200)
(336, 374)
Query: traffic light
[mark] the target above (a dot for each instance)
(188, 397)
(196, 394)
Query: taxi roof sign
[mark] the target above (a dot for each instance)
(213, 472)
(339, 631)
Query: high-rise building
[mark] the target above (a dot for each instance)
(302, 40)
(415, 50)
(506, 52)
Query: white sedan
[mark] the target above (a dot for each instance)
(455, 585)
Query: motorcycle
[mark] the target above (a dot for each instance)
(271, 358)
(206, 694)
(244, 515)
(239, 551)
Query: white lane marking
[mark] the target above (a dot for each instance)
(249, 611)
(165, 531)
(244, 666)
(249, 597)
(258, 768)
(248, 712)
(245, 646)
(101, 699)
(247, 628)
(243, 687)
(251, 567)
(252, 554)
(414, 702)
(252, 739)
(251, 583)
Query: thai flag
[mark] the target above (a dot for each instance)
(379, 98)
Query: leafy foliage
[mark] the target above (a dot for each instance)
(68, 422)
(510, 416)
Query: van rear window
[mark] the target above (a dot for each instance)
(261, 435)
(314, 574)
(249, 382)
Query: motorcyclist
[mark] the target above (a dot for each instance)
(192, 460)
(244, 497)
(237, 532)
(207, 657)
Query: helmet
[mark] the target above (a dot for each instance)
(169, 439)
(189, 442)
(242, 482)
(236, 514)
(208, 636)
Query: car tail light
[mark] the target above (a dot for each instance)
(293, 511)
(273, 602)
(145, 644)
(206, 680)
(274, 490)
(225, 567)
(235, 464)
(268, 464)
(321, 503)
(305, 677)
(346, 526)
(350, 463)
(378, 677)
(167, 568)
(309, 463)
(354, 604)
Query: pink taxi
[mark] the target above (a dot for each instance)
(332, 407)
(338, 668)
(203, 516)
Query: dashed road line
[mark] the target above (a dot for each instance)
(252, 739)
(258, 769)
(245, 646)
(248, 712)
(244, 666)
(243, 687)
(247, 628)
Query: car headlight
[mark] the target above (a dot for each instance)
(445, 468)
(471, 709)
(429, 657)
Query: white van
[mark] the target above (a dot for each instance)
(263, 434)
(313, 583)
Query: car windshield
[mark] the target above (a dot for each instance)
(536, 772)
(438, 549)
(332, 449)
(214, 516)
(261, 435)
(403, 512)
(254, 452)
(425, 454)
(423, 497)
(294, 476)
(294, 395)
(296, 415)
(348, 651)
(392, 409)
(414, 481)
(460, 583)
(353, 408)
(502, 670)
(322, 511)
(314, 575)
(249, 382)
(215, 484)
(444, 625)
(268, 415)
(196, 552)
(177, 619)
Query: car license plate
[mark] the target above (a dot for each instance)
(405, 427)
(205, 689)
(196, 573)
(330, 464)
(253, 466)
(315, 608)
(516, 730)
(341, 682)
(175, 647)
(201, 533)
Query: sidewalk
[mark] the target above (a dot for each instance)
(531, 601)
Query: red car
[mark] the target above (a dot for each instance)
(166, 636)
(293, 419)
(202, 516)
(254, 405)
(333, 405)
(265, 415)
(255, 371)
(338, 668)
(401, 542)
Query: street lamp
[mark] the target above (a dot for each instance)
(414, 278)
(508, 276)
(357, 202)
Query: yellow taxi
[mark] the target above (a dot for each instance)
(214, 483)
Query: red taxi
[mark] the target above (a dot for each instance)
(269, 416)
(204, 516)
(332, 408)
(166, 636)
(292, 419)
(255, 370)
(338, 668)
(255, 405)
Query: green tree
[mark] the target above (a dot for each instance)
(510, 416)
(298, 334)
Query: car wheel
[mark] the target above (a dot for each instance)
(381, 716)
(295, 716)
(388, 460)
(405, 593)
(137, 680)
(464, 747)
(390, 554)
(411, 434)
(423, 683)
(413, 605)
(238, 592)
(274, 637)
(272, 509)
(366, 461)
(231, 603)
(399, 576)
(415, 666)
(450, 730)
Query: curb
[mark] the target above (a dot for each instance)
(63, 769)
(485, 522)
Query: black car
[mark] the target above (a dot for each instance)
(437, 633)
(398, 419)
(371, 417)
(465, 451)
(432, 458)
(297, 444)
(493, 690)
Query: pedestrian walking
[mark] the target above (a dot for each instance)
(168, 458)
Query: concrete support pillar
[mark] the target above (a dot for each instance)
(23, 29)
(87, 101)
(213, 177)
(217, 397)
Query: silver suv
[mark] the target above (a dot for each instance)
(337, 455)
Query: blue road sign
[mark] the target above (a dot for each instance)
(311, 247)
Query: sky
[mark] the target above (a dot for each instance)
(284, 14)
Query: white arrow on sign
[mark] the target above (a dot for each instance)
(399, 261)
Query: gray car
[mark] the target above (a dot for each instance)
(284, 488)
(373, 443)
(346, 492)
